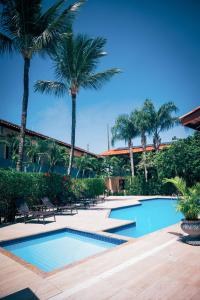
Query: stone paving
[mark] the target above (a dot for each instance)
(156, 266)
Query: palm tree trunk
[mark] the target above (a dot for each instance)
(73, 130)
(145, 167)
(19, 166)
(156, 141)
(143, 142)
(131, 158)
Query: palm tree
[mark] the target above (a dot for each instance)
(161, 120)
(142, 121)
(76, 59)
(125, 129)
(26, 29)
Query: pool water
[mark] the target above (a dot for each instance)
(58, 249)
(150, 216)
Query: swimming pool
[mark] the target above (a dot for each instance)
(57, 249)
(149, 215)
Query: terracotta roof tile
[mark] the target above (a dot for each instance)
(134, 150)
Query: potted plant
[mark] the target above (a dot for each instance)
(189, 205)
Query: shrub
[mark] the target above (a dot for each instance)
(90, 187)
(28, 186)
(33, 186)
(154, 186)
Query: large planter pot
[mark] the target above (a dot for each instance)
(191, 227)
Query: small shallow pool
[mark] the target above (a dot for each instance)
(150, 215)
(57, 249)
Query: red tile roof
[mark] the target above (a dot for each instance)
(134, 150)
(42, 136)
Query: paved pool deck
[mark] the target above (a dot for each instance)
(156, 266)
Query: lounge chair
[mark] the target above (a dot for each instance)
(23, 210)
(49, 205)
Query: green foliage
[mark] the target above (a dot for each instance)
(28, 186)
(28, 28)
(113, 166)
(90, 187)
(86, 165)
(181, 159)
(124, 129)
(189, 198)
(154, 186)
(33, 186)
(160, 120)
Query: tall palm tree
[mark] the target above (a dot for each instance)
(161, 120)
(142, 121)
(27, 29)
(125, 129)
(76, 59)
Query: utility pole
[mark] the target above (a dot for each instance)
(108, 137)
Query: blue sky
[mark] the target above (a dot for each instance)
(157, 45)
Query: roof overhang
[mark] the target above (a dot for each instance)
(137, 149)
(42, 136)
(192, 119)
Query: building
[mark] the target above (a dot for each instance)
(8, 129)
(124, 152)
(192, 119)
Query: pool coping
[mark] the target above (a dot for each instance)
(44, 274)
(127, 240)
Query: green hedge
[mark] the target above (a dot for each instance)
(90, 187)
(33, 186)
(29, 186)
(154, 186)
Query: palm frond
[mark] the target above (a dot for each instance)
(66, 17)
(31, 29)
(55, 24)
(165, 118)
(50, 87)
(179, 183)
(97, 80)
(6, 43)
(88, 53)
(123, 129)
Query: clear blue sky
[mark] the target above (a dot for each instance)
(157, 45)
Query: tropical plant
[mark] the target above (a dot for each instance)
(142, 121)
(84, 164)
(36, 153)
(113, 166)
(181, 158)
(125, 129)
(76, 59)
(147, 161)
(161, 120)
(55, 154)
(189, 198)
(27, 29)
(12, 142)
